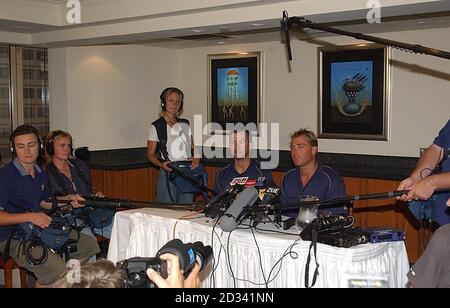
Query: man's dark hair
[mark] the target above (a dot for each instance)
(25, 130)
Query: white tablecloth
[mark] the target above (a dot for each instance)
(141, 233)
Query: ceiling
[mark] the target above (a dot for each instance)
(227, 37)
(194, 23)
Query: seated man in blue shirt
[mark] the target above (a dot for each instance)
(242, 165)
(70, 175)
(310, 178)
(23, 191)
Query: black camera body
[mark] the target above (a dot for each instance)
(136, 269)
(71, 246)
(188, 254)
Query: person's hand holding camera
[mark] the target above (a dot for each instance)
(192, 281)
(175, 277)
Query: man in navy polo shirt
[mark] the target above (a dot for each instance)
(243, 165)
(421, 184)
(23, 189)
(310, 178)
(432, 270)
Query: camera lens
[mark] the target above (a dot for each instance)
(137, 279)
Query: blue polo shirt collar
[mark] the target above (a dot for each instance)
(22, 170)
(250, 167)
(318, 171)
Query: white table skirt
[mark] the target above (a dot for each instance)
(141, 233)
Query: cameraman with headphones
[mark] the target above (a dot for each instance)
(170, 140)
(23, 191)
(70, 175)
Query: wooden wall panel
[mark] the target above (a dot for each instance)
(153, 177)
(277, 177)
(138, 184)
(98, 178)
(212, 172)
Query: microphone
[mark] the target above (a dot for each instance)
(229, 220)
(285, 27)
(214, 205)
(270, 194)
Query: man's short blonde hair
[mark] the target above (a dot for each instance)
(309, 135)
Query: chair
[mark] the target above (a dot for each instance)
(8, 267)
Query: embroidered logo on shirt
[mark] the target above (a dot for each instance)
(260, 181)
(239, 181)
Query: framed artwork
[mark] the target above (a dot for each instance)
(354, 92)
(234, 88)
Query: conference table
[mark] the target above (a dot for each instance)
(254, 258)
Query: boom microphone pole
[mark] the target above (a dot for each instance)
(348, 199)
(115, 204)
(305, 23)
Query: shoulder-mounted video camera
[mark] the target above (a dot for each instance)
(188, 254)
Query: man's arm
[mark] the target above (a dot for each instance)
(427, 162)
(74, 198)
(39, 219)
(151, 156)
(425, 188)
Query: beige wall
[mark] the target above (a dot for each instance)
(106, 96)
(420, 103)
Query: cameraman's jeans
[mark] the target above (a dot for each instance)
(162, 191)
(51, 270)
(105, 232)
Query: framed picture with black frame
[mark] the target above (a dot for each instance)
(234, 88)
(354, 84)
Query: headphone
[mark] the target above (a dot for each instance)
(166, 92)
(50, 147)
(24, 130)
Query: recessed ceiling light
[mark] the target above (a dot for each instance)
(220, 43)
(197, 30)
(256, 25)
(420, 22)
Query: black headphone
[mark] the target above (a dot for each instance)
(166, 92)
(50, 147)
(24, 130)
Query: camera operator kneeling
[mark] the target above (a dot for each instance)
(176, 265)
